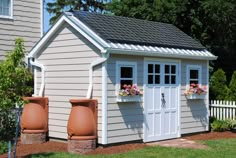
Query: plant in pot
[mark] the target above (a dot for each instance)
(129, 94)
(196, 92)
(15, 82)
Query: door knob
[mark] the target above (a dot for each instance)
(163, 102)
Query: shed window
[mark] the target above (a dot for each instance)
(193, 74)
(6, 8)
(126, 74)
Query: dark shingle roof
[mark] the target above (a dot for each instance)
(119, 29)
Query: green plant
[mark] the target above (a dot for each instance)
(3, 147)
(231, 124)
(15, 82)
(218, 86)
(220, 125)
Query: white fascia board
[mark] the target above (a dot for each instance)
(55, 27)
(89, 32)
(46, 37)
(157, 54)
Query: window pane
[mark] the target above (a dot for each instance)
(157, 79)
(150, 79)
(157, 68)
(6, 3)
(167, 79)
(126, 72)
(173, 79)
(127, 82)
(167, 69)
(173, 69)
(194, 74)
(150, 68)
(5, 11)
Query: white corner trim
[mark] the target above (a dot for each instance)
(207, 101)
(179, 97)
(41, 16)
(125, 64)
(104, 103)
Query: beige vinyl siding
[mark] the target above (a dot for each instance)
(67, 57)
(26, 23)
(124, 120)
(193, 112)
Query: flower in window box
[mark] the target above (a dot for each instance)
(195, 89)
(130, 91)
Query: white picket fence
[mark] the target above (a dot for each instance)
(223, 110)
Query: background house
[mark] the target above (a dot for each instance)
(92, 55)
(19, 18)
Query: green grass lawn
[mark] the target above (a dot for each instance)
(217, 149)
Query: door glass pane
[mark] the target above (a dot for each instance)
(157, 79)
(157, 68)
(173, 79)
(150, 79)
(167, 69)
(194, 74)
(167, 79)
(127, 82)
(150, 68)
(173, 69)
(126, 72)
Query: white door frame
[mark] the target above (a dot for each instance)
(178, 62)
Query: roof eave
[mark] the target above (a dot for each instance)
(157, 54)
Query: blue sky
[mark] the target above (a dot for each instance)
(46, 17)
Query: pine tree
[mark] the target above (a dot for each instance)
(57, 7)
(232, 88)
(218, 85)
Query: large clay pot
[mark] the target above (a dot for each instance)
(82, 123)
(35, 115)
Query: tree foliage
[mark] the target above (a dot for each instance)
(15, 81)
(218, 85)
(232, 88)
(15, 78)
(57, 7)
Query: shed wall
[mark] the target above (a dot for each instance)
(67, 58)
(125, 120)
(26, 23)
(193, 112)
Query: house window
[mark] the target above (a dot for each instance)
(5, 8)
(126, 74)
(194, 74)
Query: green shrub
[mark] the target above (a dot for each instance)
(218, 85)
(3, 147)
(220, 125)
(231, 124)
(7, 124)
(232, 87)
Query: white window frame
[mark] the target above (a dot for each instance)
(194, 67)
(120, 64)
(10, 10)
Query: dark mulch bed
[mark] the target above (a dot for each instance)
(52, 146)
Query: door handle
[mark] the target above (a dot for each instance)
(163, 101)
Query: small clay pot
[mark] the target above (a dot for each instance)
(82, 123)
(35, 114)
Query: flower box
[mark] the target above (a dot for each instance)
(136, 98)
(196, 96)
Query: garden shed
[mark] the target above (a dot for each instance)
(89, 55)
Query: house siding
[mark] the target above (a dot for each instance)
(26, 23)
(67, 57)
(193, 112)
(124, 120)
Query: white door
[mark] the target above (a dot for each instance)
(161, 101)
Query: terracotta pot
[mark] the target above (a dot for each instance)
(35, 115)
(82, 123)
